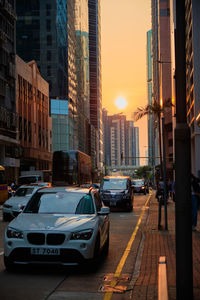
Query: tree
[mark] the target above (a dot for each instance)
(155, 109)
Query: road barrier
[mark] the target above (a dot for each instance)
(162, 279)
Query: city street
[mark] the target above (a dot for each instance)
(52, 283)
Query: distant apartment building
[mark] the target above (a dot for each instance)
(35, 127)
(95, 77)
(161, 46)
(82, 71)
(9, 147)
(121, 141)
(46, 34)
(132, 145)
(192, 16)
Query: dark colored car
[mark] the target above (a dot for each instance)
(117, 193)
(139, 186)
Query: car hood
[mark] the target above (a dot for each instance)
(14, 201)
(59, 222)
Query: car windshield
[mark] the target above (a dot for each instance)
(114, 184)
(138, 182)
(60, 203)
(21, 192)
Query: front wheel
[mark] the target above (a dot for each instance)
(8, 264)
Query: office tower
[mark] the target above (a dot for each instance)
(162, 92)
(46, 34)
(192, 79)
(82, 71)
(95, 75)
(150, 120)
(9, 147)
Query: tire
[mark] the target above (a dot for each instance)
(96, 254)
(8, 264)
(6, 217)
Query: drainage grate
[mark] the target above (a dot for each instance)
(115, 284)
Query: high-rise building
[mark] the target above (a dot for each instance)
(46, 33)
(82, 71)
(9, 146)
(161, 45)
(150, 120)
(95, 75)
(121, 141)
(192, 17)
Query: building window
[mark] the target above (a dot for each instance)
(25, 129)
(49, 40)
(48, 70)
(48, 55)
(48, 25)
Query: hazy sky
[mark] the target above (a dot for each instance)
(124, 73)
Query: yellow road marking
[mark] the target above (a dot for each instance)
(113, 283)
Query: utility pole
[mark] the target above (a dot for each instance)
(184, 268)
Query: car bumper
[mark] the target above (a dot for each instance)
(18, 251)
(118, 204)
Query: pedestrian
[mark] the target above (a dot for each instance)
(195, 189)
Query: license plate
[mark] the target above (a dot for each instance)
(112, 203)
(45, 251)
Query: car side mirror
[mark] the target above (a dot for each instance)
(104, 211)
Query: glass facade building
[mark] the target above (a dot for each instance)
(95, 75)
(46, 34)
(150, 119)
(82, 71)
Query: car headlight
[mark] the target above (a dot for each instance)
(142, 187)
(14, 233)
(82, 235)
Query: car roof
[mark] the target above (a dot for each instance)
(58, 189)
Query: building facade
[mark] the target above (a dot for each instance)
(121, 141)
(150, 119)
(95, 75)
(9, 146)
(32, 106)
(46, 33)
(82, 71)
(162, 91)
(192, 16)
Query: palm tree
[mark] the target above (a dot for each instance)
(154, 109)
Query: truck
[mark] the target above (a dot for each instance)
(34, 176)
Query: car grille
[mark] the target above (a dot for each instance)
(49, 239)
(36, 238)
(55, 239)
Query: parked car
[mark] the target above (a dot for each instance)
(66, 226)
(139, 186)
(116, 192)
(15, 204)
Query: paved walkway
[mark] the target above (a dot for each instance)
(162, 243)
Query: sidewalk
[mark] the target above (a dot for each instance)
(162, 243)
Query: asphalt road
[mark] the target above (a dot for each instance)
(113, 279)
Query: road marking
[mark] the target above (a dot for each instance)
(120, 266)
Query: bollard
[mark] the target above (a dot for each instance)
(162, 279)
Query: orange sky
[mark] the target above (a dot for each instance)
(124, 27)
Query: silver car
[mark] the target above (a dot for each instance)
(66, 226)
(15, 204)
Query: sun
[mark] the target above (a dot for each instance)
(121, 102)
